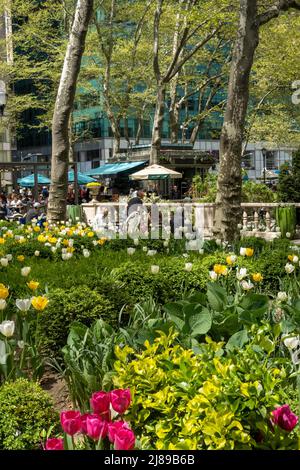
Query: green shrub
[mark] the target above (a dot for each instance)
(211, 400)
(25, 411)
(78, 304)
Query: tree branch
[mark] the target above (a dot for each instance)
(275, 10)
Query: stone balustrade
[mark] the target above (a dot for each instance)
(258, 219)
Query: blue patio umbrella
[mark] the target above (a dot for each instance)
(28, 181)
(81, 178)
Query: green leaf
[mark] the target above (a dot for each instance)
(217, 296)
(257, 303)
(199, 319)
(238, 340)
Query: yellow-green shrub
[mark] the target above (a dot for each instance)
(206, 401)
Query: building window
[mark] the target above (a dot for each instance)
(271, 159)
(248, 160)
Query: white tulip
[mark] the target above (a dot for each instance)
(295, 259)
(9, 257)
(53, 249)
(185, 255)
(154, 269)
(288, 235)
(4, 262)
(23, 304)
(218, 241)
(95, 243)
(291, 342)
(166, 243)
(247, 285)
(145, 249)
(130, 251)
(151, 252)
(25, 271)
(7, 328)
(64, 256)
(213, 275)
(243, 251)
(36, 253)
(282, 296)
(188, 266)
(69, 255)
(86, 253)
(233, 258)
(136, 241)
(241, 273)
(289, 268)
(21, 344)
(2, 304)
(201, 251)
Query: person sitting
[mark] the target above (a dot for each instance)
(135, 201)
(3, 207)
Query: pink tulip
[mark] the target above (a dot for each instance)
(71, 422)
(83, 423)
(284, 418)
(96, 427)
(100, 402)
(120, 400)
(114, 427)
(124, 439)
(54, 444)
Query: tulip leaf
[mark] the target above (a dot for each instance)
(217, 296)
(237, 340)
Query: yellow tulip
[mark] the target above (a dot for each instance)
(21, 258)
(257, 277)
(220, 269)
(90, 234)
(33, 285)
(65, 242)
(41, 238)
(39, 303)
(4, 292)
(36, 228)
(70, 249)
(2, 240)
(249, 251)
(52, 240)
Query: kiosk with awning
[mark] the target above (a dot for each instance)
(114, 169)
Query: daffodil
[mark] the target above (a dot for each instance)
(4, 291)
(257, 277)
(293, 258)
(249, 252)
(33, 285)
(231, 259)
(220, 269)
(39, 303)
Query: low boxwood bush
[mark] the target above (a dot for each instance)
(25, 412)
(218, 399)
(77, 304)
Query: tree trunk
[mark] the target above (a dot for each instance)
(229, 185)
(63, 108)
(157, 124)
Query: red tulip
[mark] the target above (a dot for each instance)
(120, 400)
(114, 427)
(284, 418)
(54, 444)
(96, 427)
(71, 422)
(124, 439)
(100, 402)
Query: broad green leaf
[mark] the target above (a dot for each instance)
(237, 340)
(217, 296)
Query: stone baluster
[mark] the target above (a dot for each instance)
(245, 220)
(256, 218)
(268, 222)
